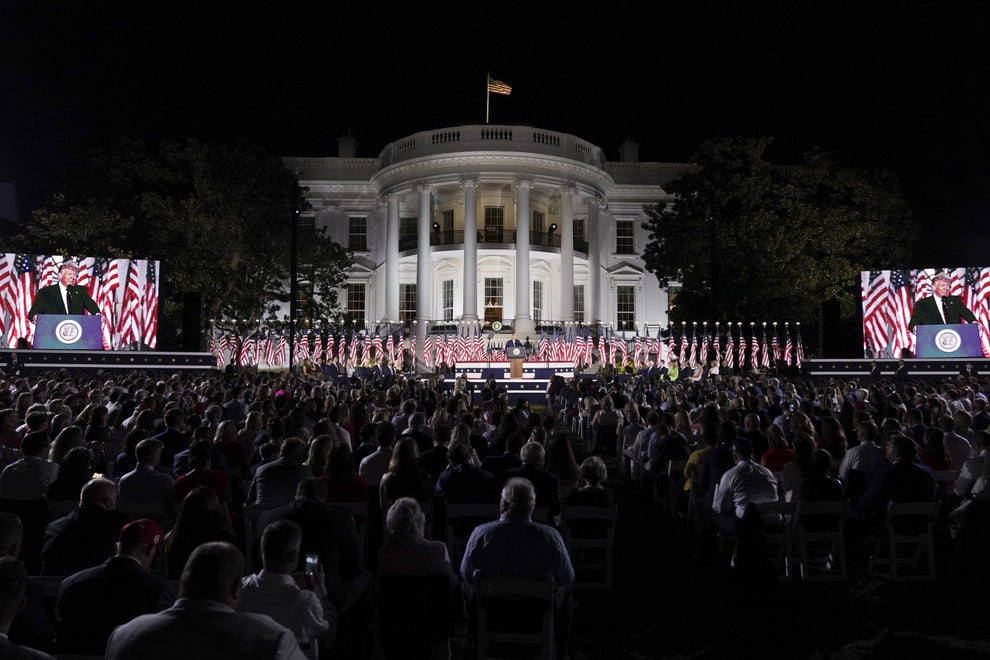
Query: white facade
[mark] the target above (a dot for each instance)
(472, 225)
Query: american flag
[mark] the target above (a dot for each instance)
(24, 290)
(981, 305)
(876, 310)
(130, 323)
(624, 347)
(612, 353)
(543, 353)
(330, 353)
(151, 306)
(222, 348)
(775, 346)
(257, 349)
(638, 351)
(718, 349)
(800, 350)
(211, 346)
(6, 292)
(428, 350)
(903, 303)
(788, 348)
(87, 275)
(694, 347)
(671, 342)
(479, 344)
(390, 348)
(342, 349)
(754, 348)
(280, 350)
(269, 350)
(317, 347)
(498, 87)
(765, 350)
(742, 350)
(922, 284)
(49, 272)
(246, 353)
(703, 352)
(377, 351)
(354, 350)
(685, 345)
(602, 356)
(412, 347)
(107, 282)
(730, 352)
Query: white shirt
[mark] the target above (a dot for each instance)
(27, 479)
(746, 482)
(302, 611)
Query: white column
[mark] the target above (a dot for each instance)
(470, 249)
(523, 325)
(423, 282)
(566, 255)
(392, 258)
(594, 262)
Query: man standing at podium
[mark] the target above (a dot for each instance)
(940, 308)
(65, 297)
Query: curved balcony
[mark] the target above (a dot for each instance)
(486, 137)
(490, 238)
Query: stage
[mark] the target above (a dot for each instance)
(38, 361)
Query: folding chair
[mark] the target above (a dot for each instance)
(415, 616)
(461, 521)
(820, 544)
(359, 512)
(591, 555)
(777, 519)
(513, 613)
(908, 537)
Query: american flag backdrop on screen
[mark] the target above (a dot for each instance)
(876, 310)
(49, 271)
(6, 293)
(151, 306)
(130, 326)
(24, 290)
(903, 304)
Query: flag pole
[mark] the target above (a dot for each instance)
(488, 93)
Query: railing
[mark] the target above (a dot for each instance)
(491, 237)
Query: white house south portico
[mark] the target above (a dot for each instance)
(496, 228)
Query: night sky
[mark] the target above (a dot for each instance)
(905, 87)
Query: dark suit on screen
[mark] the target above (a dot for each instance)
(49, 301)
(926, 312)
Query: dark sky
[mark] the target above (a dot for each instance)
(903, 86)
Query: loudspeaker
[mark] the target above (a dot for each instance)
(831, 329)
(192, 321)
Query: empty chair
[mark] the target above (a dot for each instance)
(512, 614)
(906, 548)
(415, 616)
(819, 541)
(589, 532)
(777, 520)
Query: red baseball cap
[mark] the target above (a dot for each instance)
(143, 530)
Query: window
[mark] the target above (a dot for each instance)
(447, 220)
(494, 224)
(537, 301)
(625, 297)
(493, 291)
(357, 237)
(407, 304)
(408, 233)
(539, 221)
(579, 229)
(448, 300)
(579, 303)
(624, 241)
(355, 304)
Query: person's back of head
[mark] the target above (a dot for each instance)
(35, 443)
(459, 453)
(13, 583)
(869, 431)
(213, 572)
(593, 470)
(385, 435)
(533, 453)
(405, 521)
(280, 543)
(38, 419)
(418, 418)
(904, 448)
(11, 534)
(200, 455)
(518, 497)
(98, 493)
(312, 489)
(147, 450)
(294, 449)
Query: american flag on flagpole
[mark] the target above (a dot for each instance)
(685, 345)
(743, 348)
(281, 350)
(378, 352)
(6, 292)
(151, 306)
(390, 347)
(317, 347)
(754, 350)
(428, 350)
(638, 351)
(342, 350)
(24, 290)
(717, 347)
(876, 310)
(354, 350)
(269, 350)
(765, 351)
(800, 350)
(729, 362)
(903, 304)
(694, 346)
(498, 87)
(788, 348)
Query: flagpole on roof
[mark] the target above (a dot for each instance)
(488, 93)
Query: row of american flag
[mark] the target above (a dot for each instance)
(889, 297)
(270, 349)
(126, 291)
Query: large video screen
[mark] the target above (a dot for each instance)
(125, 291)
(891, 309)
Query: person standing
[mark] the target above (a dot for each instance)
(63, 297)
(940, 307)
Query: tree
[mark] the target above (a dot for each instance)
(217, 216)
(751, 241)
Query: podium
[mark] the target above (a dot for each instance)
(516, 356)
(73, 332)
(948, 341)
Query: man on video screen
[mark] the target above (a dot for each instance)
(65, 297)
(940, 308)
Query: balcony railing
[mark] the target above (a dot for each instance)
(491, 237)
